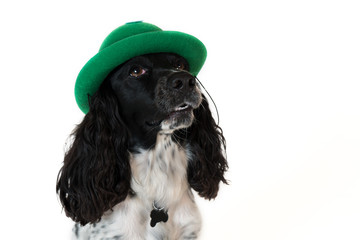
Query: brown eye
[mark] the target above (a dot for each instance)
(137, 71)
(180, 65)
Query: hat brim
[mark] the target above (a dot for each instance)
(98, 67)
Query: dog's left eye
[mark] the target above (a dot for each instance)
(137, 71)
(180, 65)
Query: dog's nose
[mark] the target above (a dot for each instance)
(183, 82)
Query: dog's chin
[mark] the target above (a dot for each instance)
(181, 117)
(177, 120)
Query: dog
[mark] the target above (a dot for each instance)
(148, 140)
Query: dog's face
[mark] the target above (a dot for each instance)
(156, 93)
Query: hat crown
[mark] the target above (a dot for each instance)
(128, 30)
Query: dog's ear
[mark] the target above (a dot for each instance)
(96, 173)
(207, 164)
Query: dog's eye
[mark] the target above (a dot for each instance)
(180, 65)
(137, 71)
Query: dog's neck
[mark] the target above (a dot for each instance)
(141, 139)
(159, 174)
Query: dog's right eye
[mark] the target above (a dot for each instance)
(137, 71)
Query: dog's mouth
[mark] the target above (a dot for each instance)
(181, 116)
(181, 112)
(183, 109)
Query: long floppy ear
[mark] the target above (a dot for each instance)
(96, 172)
(208, 163)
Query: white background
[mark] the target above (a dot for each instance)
(284, 75)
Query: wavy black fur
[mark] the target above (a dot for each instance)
(207, 143)
(96, 173)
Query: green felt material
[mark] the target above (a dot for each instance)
(131, 40)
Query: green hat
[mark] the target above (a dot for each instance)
(131, 40)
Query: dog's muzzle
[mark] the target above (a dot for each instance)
(177, 95)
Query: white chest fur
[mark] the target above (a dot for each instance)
(159, 175)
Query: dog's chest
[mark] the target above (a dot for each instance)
(159, 175)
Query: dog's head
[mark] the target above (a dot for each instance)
(156, 93)
(141, 98)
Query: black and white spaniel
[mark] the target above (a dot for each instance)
(147, 140)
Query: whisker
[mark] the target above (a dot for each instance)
(217, 112)
(177, 137)
(151, 130)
